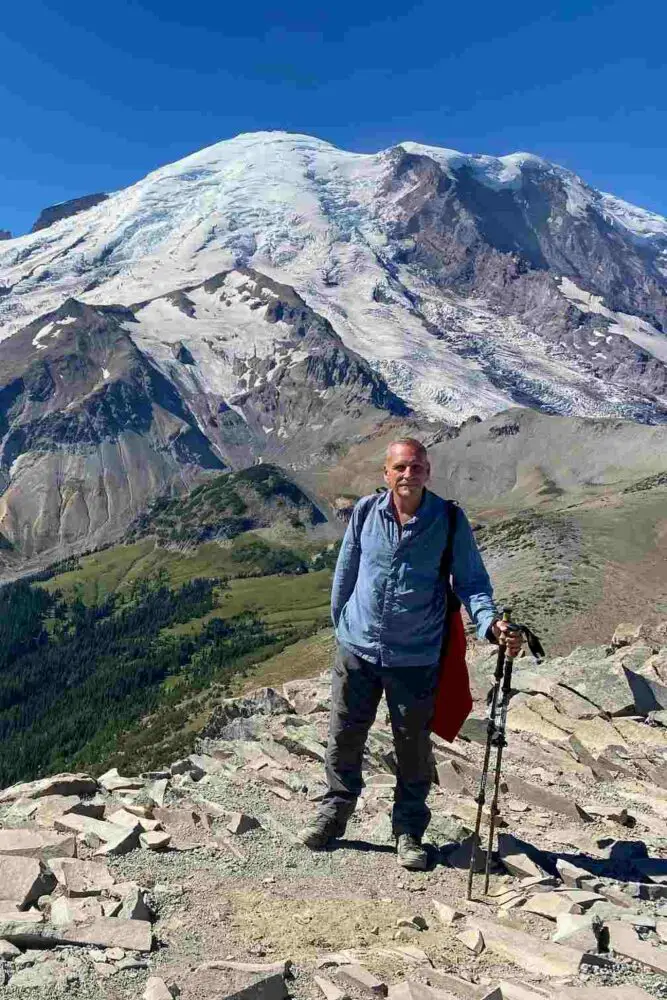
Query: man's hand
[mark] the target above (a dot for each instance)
(512, 640)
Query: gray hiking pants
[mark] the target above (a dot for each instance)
(356, 689)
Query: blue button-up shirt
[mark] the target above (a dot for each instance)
(388, 596)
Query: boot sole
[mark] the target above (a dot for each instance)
(415, 865)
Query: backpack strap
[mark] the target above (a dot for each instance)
(453, 603)
(364, 508)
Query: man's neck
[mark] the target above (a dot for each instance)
(406, 507)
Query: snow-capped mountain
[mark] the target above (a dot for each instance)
(443, 270)
(273, 295)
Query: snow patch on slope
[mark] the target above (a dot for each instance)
(639, 331)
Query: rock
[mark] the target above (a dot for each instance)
(8, 951)
(329, 989)
(105, 932)
(112, 781)
(107, 832)
(450, 778)
(123, 817)
(535, 795)
(39, 844)
(578, 930)
(156, 790)
(43, 977)
(239, 823)
(157, 841)
(623, 941)
(582, 897)
(600, 771)
(472, 939)
(515, 860)
(271, 987)
(135, 907)
(454, 985)
(58, 784)
(613, 814)
(81, 878)
(570, 874)
(23, 880)
(156, 989)
(572, 704)
(550, 905)
(362, 979)
(460, 856)
(625, 634)
(65, 911)
(518, 991)
(447, 915)
(538, 957)
(649, 695)
(265, 701)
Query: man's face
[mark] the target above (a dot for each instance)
(406, 471)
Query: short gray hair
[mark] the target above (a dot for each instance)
(409, 443)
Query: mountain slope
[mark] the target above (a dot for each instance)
(444, 271)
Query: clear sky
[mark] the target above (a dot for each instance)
(94, 95)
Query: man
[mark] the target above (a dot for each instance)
(388, 609)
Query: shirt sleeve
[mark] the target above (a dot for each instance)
(347, 566)
(470, 579)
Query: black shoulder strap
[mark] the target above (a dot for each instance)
(448, 551)
(363, 510)
(453, 603)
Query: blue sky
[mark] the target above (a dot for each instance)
(93, 96)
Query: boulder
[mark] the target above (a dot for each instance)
(41, 844)
(112, 781)
(65, 911)
(538, 957)
(156, 989)
(58, 784)
(265, 701)
(472, 939)
(515, 860)
(361, 979)
(104, 932)
(23, 880)
(623, 941)
(579, 930)
(551, 905)
(447, 915)
(81, 878)
(157, 841)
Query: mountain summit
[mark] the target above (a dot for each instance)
(470, 283)
(275, 297)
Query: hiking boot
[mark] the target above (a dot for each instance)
(321, 832)
(410, 852)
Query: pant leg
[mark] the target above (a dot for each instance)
(356, 690)
(410, 693)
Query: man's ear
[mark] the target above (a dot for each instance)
(384, 474)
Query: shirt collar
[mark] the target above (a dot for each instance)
(385, 504)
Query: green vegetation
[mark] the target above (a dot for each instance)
(225, 507)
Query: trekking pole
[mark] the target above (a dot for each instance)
(490, 733)
(495, 737)
(500, 743)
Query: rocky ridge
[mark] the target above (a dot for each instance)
(190, 880)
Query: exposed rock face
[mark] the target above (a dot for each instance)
(5, 234)
(54, 213)
(97, 417)
(91, 430)
(512, 246)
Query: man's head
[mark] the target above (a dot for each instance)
(406, 468)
